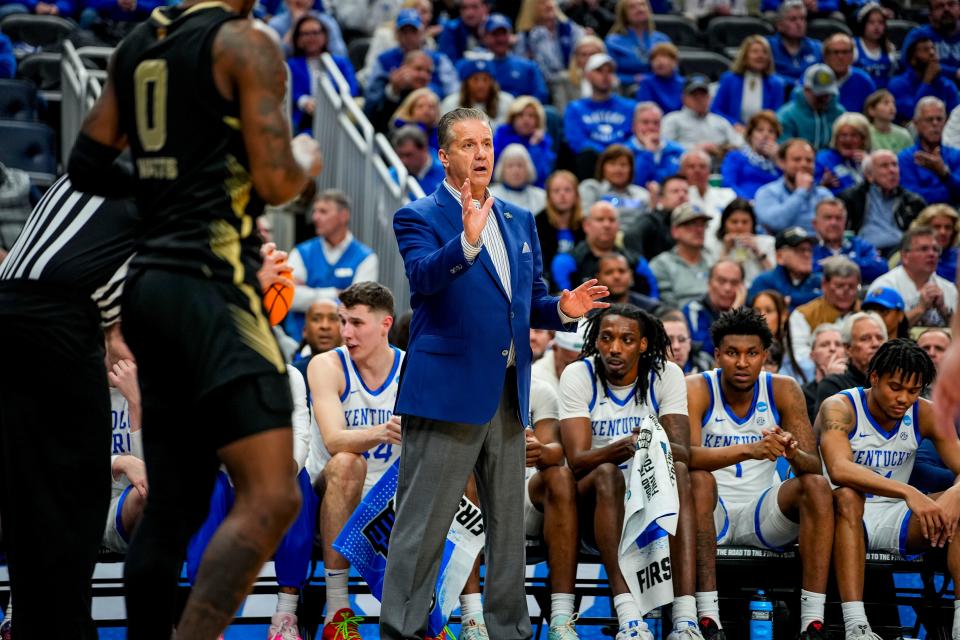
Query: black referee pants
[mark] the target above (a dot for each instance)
(55, 456)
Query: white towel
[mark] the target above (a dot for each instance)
(650, 514)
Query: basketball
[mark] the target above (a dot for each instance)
(277, 299)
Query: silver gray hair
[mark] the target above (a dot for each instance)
(846, 330)
(821, 329)
(337, 197)
(787, 6)
(695, 153)
(839, 267)
(928, 102)
(460, 114)
(646, 105)
(867, 165)
(515, 151)
(832, 202)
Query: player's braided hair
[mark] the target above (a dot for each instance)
(903, 355)
(741, 322)
(652, 359)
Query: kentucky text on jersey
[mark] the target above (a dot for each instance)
(718, 440)
(881, 459)
(366, 416)
(121, 432)
(616, 427)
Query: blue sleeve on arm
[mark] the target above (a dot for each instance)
(644, 271)
(8, 63)
(561, 270)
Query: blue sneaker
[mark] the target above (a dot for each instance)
(565, 629)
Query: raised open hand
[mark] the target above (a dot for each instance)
(474, 220)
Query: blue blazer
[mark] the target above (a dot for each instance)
(463, 322)
(729, 96)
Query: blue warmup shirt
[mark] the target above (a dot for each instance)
(596, 125)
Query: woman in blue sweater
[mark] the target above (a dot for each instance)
(838, 167)
(750, 167)
(664, 85)
(631, 38)
(527, 125)
(751, 84)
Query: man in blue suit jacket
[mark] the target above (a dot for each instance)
(476, 289)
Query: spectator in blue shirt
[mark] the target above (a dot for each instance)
(790, 201)
(755, 164)
(855, 84)
(546, 36)
(8, 63)
(527, 125)
(815, 8)
(829, 224)
(656, 158)
(751, 85)
(839, 166)
(410, 145)
(945, 222)
(875, 54)
(463, 33)
(664, 85)
(62, 8)
(309, 43)
(109, 21)
(383, 98)
(282, 23)
(605, 118)
(725, 291)
(631, 39)
(793, 277)
(923, 77)
(929, 168)
(813, 108)
(792, 50)
(944, 30)
(420, 108)
(515, 75)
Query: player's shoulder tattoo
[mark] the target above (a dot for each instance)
(836, 415)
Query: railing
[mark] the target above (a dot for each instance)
(357, 161)
(81, 88)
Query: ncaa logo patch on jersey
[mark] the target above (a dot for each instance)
(907, 420)
(761, 406)
(904, 436)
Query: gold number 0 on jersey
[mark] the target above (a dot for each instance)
(151, 104)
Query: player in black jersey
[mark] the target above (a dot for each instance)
(197, 93)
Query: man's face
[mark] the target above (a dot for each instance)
(363, 330)
(865, 338)
(838, 55)
(943, 15)
(696, 169)
(697, 101)
(885, 171)
(646, 123)
(321, 329)
(829, 223)
(798, 159)
(895, 393)
(601, 79)
(920, 260)
(690, 234)
(413, 157)
(602, 225)
(929, 124)
(620, 345)
(817, 102)
(675, 193)
(615, 274)
(409, 38)
(935, 343)
(473, 13)
(679, 335)
(825, 348)
(497, 41)
(798, 261)
(793, 24)
(328, 218)
(841, 292)
(539, 340)
(741, 358)
(470, 154)
(723, 285)
(562, 194)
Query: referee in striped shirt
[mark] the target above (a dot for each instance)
(60, 283)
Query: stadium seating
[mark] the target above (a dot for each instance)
(29, 146)
(726, 33)
(825, 27)
(357, 52)
(897, 30)
(43, 69)
(18, 100)
(36, 31)
(682, 31)
(710, 64)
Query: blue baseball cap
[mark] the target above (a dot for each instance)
(885, 297)
(916, 36)
(409, 18)
(470, 66)
(497, 21)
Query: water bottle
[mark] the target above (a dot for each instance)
(761, 617)
(654, 619)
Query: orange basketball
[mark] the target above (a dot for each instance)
(277, 299)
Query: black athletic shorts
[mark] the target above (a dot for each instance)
(206, 350)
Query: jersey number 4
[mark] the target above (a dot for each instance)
(150, 82)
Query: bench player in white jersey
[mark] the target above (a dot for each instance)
(624, 376)
(742, 420)
(550, 506)
(868, 440)
(354, 389)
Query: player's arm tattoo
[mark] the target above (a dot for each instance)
(677, 427)
(834, 416)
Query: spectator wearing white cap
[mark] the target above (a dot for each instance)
(682, 272)
(564, 349)
(812, 108)
(694, 126)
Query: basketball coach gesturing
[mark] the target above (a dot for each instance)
(474, 268)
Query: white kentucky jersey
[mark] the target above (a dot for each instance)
(888, 453)
(616, 413)
(363, 408)
(721, 427)
(120, 434)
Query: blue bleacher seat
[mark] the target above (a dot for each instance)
(728, 32)
(36, 31)
(29, 146)
(18, 100)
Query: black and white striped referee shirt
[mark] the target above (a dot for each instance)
(77, 241)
